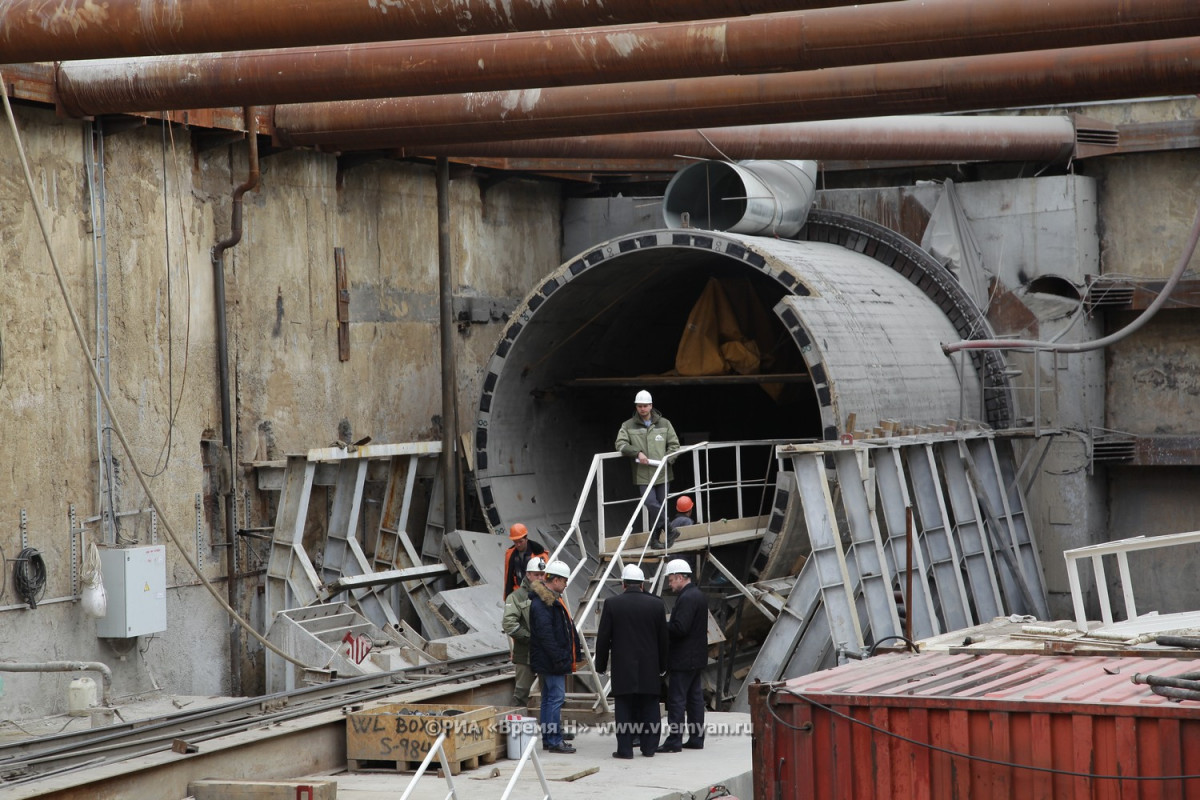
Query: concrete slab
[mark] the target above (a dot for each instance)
(725, 760)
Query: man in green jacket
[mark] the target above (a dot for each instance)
(516, 625)
(648, 437)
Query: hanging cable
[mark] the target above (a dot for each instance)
(115, 423)
(1083, 347)
(29, 576)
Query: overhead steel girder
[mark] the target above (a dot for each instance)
(1011, 138)
(34, 30)
(791, 41)
(1103, 72)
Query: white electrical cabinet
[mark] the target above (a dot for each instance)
(135, 580)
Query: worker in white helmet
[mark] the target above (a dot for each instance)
(688, 630)
(633, 630)
(554, 650)
(648, 437)
(515, 623)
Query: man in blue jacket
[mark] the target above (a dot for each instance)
(633, 628)
(554, 650)
(688, 630)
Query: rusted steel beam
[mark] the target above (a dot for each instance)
(36, 30)
(1103, 72)
(914, 138)
(784, 42)
(1166, 451)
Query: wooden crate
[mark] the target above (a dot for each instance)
(397, 737)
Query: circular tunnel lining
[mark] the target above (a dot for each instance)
(855, 317)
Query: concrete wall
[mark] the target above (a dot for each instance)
(165, 204)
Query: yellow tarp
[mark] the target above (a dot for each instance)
(728, 331)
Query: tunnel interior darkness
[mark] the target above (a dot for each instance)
(609, 322)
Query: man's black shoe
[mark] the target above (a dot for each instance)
(648, 755)
(669, 749)
(693, 745)
(622, 755)
(562, 748)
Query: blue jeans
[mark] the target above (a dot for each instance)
(554, 692)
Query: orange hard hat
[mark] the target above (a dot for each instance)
(517, 531)
(683, 504)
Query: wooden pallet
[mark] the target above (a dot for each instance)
(385, 765)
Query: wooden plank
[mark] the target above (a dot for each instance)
(697, 537)
(696, 380)
(210, 789)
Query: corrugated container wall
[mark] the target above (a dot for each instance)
(992, 726)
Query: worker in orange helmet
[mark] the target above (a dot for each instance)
(682, 518)
(517, 556)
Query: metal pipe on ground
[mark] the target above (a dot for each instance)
(32, 30)
(917, 138)
(218, 262)
(1104, 72)
(790, 41)
(64, 666)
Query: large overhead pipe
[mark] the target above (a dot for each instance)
(1105, 72)
(831, 37)
(34, 30)
(914, 138)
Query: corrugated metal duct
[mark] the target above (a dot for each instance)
(859, 314)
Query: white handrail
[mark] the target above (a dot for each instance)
(530, 753)
(439, 750)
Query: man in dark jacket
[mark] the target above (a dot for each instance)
(516, 557)
(688, 629)
(554, 650)
(633, 628)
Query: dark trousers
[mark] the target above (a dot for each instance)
(637, 715)
(685, 700)
(654, 504)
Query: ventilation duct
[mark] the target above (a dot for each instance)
(754, 197)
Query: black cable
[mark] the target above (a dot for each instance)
(967, 756)
(29, 576)
(912, 646)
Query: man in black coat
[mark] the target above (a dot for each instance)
(689, 656)
(633, 629)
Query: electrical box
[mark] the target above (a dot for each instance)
(135, 581)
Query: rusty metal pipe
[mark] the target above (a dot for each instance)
(1103, 72)
(792, 41)
(34, 30)
(916, 138)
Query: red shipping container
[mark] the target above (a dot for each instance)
(971, 726)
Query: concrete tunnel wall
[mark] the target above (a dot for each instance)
(860, 309)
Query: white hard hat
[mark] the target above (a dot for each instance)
(558, 568)
(632, 572)
(643, 398)
(677, 566)
(536, 565)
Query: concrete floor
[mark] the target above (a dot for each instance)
(690, 774)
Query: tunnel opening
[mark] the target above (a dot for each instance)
(854, 324)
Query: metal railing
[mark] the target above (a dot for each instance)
(529, 754)
(438, 750)
(702, 489)
(1121, 549)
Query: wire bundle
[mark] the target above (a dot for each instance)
(29, 576)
